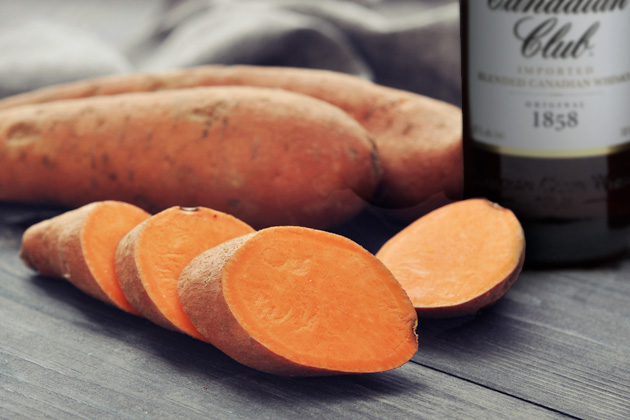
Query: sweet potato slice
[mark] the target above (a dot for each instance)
(457, 259)
(296, 301)
(80, 245)
(150, 258)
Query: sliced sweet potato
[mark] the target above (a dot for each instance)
(297, 301)
(150, 258)
(80, 245)
(457, 259)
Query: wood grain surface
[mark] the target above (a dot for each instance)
(556, 346)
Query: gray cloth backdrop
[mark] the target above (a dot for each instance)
(408, 44)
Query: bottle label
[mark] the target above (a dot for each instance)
(549, 78)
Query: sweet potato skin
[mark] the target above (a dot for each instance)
(201, 289)
(53, 248)
(479, 303)
(419, 138)
(268, 157)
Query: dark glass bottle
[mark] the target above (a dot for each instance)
(546, 101)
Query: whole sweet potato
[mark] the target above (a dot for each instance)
(266, 156)
(419, 139)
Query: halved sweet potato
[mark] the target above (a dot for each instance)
(457, 259)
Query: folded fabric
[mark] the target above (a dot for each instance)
(42, 53)
(412, 45)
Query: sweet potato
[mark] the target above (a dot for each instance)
(457, 259)
(79, 246)
(150, 258)
(267, 156)
(419, 139)
(297, 301)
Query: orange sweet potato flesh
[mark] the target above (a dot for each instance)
(80, 245)
(457, 259)
(418, 138)
(299, 302)
(150, 258)
(267, 156)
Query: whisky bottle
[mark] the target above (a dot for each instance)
(546, 102)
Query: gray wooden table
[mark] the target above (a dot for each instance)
(556, 346)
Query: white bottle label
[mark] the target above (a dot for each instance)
(550, 78)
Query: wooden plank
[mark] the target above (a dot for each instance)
(66, 355)
(559, 338)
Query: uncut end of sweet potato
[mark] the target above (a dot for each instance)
(79, 246)
(36, 251)
(458, 259)
(153, 255)
(294, 301)
(53, 247)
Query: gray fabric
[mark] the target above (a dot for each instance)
(409, 44)
(42, 53)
